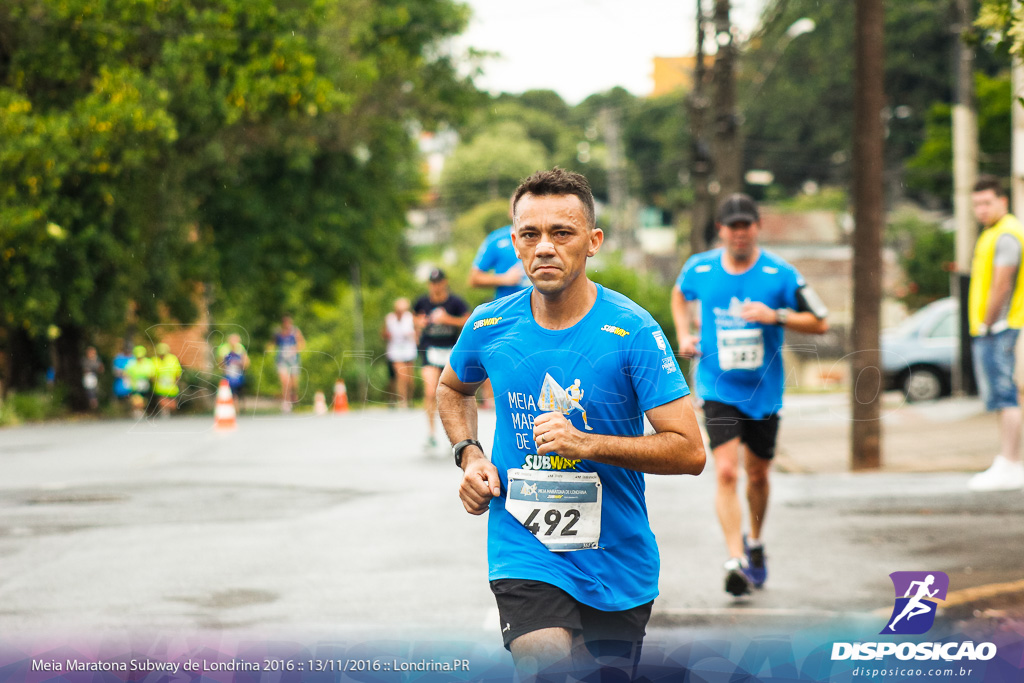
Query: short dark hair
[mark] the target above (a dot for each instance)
(556, 182)
(991, 182)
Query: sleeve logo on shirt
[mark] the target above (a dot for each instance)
(486, 322)
(770, 270)
(617, 331)
(659, 339)
(702, 269)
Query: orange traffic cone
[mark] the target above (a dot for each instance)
(340, 397)
(319, 403)
(224, 413)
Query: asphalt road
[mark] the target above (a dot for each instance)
(301, 526)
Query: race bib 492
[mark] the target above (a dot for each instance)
(562, 509)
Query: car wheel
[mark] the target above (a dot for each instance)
(922, 384)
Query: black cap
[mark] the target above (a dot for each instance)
(436, 275)
(736, 209)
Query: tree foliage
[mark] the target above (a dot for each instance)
(150, 145)
(1004, 20)
(797, 93)
(513, 135)
(926, 256)
(491, 164)
(930, 171)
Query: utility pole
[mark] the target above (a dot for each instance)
(359, 336)
(700, 153)
(623, 225)
(965, 173)
(868, 136)
(727, 150)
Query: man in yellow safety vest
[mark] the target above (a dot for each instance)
(996, 314)
(168, 372)
(140, 371)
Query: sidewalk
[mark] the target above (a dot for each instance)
(949, 435)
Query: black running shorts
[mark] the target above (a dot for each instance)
(526, 606)
(725, 422)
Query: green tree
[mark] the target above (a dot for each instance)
(72, 250)
(796, 94)
(657, 140)
(930, 171)
(1004, 20)
(538, 121)
(926, 256)
(473, 225)
(260, 146)
(490, 165)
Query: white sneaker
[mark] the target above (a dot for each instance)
(1003, 475)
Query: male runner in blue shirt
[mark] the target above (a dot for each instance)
(497, 265)
(748, 296)
(573, 562)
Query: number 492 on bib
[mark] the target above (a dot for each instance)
(562, 509)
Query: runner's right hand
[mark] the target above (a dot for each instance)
(480, 483)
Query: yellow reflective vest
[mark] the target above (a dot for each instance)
(168, 370)
(140, 372)
(982, 269)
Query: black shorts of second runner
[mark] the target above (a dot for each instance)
(526, 606)
(725, 422)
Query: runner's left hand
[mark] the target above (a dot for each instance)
(555, 434)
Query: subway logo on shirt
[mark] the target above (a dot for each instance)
(549, 462)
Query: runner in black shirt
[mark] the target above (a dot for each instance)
(440, 316)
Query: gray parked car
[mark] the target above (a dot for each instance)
(919, 354)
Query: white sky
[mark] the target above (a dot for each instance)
(579, 47)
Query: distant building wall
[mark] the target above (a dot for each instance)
(675, 73)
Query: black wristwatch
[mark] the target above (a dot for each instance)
(461, 446)
(782, 315)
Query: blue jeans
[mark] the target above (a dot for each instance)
(993, 369)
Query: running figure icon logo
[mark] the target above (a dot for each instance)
(914, 612)
(554, 398)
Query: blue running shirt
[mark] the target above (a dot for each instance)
(497, 254)
(614, 364)
(740, 362)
